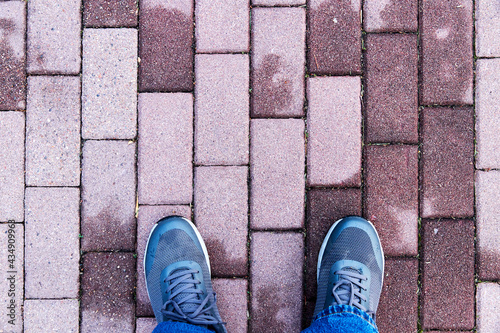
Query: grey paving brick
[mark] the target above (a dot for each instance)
(109, 84)
(278, 59)
(232, 303)
(488, 307)
(165, 155)
(54, 42)
(12, 166)
(53, 131)
(221, 109)
(108, 196)
(487, 28)
(59, 315)
(334, 131)
(110, 13)
(277, 173)
(390, 16)
(52, 242)
(145, 325)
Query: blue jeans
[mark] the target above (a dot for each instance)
(335, 319)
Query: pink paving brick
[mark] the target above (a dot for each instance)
(276, 287)
(277, 173)
(221, 109)
(334, 131)
(222, 25)
(448, 275)
(165, 151)
(145, 325)
(12, 55)
(232, 303)
(12, 166)
(334, 40)
(107, 301)
(391, 88)
(487, 120)
(47, 315)
(447, 52)
(488, 307)
(54, 42)
(52, 244)
(487, 28)
(390, 15)
(165, 49)
(108, 196)
(147, 217)
(278, 2)
(221, 203)
(109, 13)
(488, 224)
(391, 197)
(447, 168)
(53, 131)
(278, 58)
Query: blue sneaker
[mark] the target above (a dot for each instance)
(350, 266)
(178, 277)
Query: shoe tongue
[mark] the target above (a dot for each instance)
(351, 269)
(188, 307)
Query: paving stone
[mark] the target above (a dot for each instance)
(487, 28)
(221, 109)
(222, 25)
(11, 277)
(232, 303)
(108, 285)
(58, 315)
(390, 15)
(165, 152)
(391, 88)
(488, 307)
(54, 36)
(447, 162)
(398, 307)
(147, 217)
(277, 173)
(447, 52)
(278, 2)
(108, 196)
(166, 38)
(487, 120)
(278, 59)
(391, 196)
(334, 40)
(109, 13)
(12, 55)
(53, 131)
(145, 325)
(52, 243)
(276, 275)
(12, 166)
(221, 203)
(488, 224)
(109, 96)
(448, 275)
(334, 131)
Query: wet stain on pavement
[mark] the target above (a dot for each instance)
(12, 72)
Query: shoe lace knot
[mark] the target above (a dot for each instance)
(347, 290)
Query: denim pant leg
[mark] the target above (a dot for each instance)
(174, 327)
(342, 319)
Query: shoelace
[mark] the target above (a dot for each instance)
(347, 291)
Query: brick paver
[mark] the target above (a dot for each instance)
(108, 13)
(60, 315)
(232, 303)
(145, 325)
(487, 28)
(278, 2)
(488, 307)
(390, 16)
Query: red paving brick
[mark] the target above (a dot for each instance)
(232, 303)
(109, 13)
(390, 16)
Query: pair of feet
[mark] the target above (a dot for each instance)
(350, 271)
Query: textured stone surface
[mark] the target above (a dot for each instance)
(277, 173)
(52, 243)
(53, 131)
(334, 41)
(334, 131)
(107, 301)
(447, 162)
(109, 96)
(108, 195)
(488, 307)
(109, 13)
(165, 50)
(277, 2)
(12, 166)
(447, 52)
(391, 197)
(391, 88)
(222, 25)
(487, 28)
(278, 59)
(46, 315)
(145, 325)
(221, 203)
(165, 151)
(276, 275)
(232, 303)
(390, 15)
(221, 109)
(448, 275)
(54, 42)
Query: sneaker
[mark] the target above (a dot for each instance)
(178, 277)
(350, 266)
